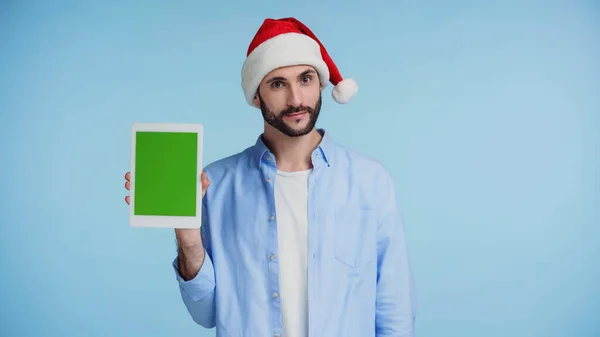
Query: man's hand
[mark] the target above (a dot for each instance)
(190, 247)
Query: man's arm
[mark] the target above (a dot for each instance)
(195, 272)
(395, 303)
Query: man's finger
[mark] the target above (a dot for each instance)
(127, 176)
(127, 185)
(205, 183)
(127, 200)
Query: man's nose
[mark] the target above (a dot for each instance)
(294, 96)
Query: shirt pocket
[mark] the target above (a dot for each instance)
(355, 236)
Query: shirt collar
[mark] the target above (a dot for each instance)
(260, 153)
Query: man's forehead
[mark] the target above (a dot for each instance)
(290, 72)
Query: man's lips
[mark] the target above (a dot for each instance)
(296, 114)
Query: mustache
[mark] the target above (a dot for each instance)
(292, 110)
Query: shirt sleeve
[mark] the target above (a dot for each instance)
(198, 294)
(396, 300)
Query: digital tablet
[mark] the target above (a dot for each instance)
(166, 167)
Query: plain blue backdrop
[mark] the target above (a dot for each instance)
(486, 114)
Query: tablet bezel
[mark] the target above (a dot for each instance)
(159, 221)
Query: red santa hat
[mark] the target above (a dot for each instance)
(287, 42)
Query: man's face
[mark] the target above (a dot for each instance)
(290, 99)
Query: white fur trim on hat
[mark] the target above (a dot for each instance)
(344, 90)
(281, 51)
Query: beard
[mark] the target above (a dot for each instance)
(276, 119)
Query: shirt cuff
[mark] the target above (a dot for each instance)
(202, 284)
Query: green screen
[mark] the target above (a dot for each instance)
(165, 173)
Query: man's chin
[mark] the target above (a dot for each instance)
(296, 130)
(296, 125)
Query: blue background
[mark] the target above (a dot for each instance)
(487, 115)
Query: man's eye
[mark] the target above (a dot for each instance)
(276, 84)
(307, 79)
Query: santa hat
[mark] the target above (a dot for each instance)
(288, 42)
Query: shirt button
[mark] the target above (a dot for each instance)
(268, 180)
(271, 218)
(276, 334)
(275, 295)
(268, 157)
(272, 257)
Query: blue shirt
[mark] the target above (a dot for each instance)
(360, 282)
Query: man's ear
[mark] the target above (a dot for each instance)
(256, 100)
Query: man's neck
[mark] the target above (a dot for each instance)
(292, 153)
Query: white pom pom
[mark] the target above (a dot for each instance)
(344, 91)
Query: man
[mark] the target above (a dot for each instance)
(300, 236)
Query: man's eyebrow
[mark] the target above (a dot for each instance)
(306, 72)
(278, 78)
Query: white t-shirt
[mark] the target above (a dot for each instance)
(291, 205)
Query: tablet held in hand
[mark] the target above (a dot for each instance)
(166, 167)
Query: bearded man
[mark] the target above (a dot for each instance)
(300, 236)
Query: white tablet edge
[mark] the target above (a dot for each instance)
(166, 221)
